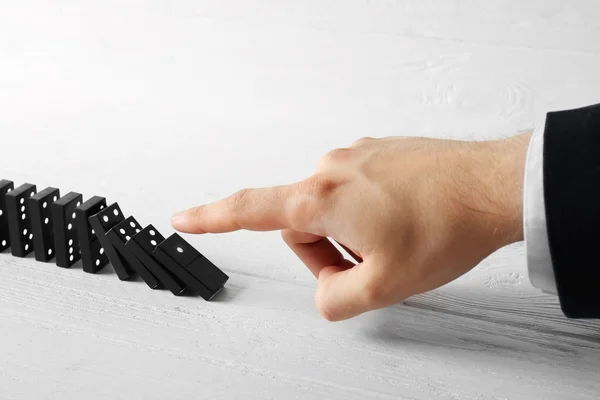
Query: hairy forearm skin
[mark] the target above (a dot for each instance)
(501, 174)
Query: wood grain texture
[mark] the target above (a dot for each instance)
(164, 105)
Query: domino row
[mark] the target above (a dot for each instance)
(68, 230)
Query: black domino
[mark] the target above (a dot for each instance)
(42, 225)
(93, 256)
(5, 187)
(66, 243)
(102, 222)
(121, 234)
(68, 229)
(19, 221)
(142, 244)
(189, 265)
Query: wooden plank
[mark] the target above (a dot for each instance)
(567, 26)
(82, 334)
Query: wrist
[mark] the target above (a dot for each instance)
(514, 156)
(501, 165)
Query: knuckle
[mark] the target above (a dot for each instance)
(197, 212)
(321, 187)
(337, 153)
(312, 201)
(304, 212)
(334, 156)
(238, 200)
(362, 141)
(374, 292)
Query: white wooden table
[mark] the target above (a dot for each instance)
(163, 105)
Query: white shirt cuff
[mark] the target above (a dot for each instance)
(539, 262)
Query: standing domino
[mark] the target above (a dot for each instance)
(65, 235)
(42, 225)
(19, 222)
(5, 187)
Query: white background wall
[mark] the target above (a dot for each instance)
(164, 105)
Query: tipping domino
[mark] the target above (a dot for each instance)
(142, 244)
(118, 236)
(93, 256)
(102, 222)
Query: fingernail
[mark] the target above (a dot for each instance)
(178, 218)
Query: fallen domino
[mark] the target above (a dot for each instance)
(187, 263)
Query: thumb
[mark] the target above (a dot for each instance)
(346, 293)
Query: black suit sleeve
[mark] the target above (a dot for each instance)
(571, 172)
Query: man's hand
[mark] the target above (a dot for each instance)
(415, 213)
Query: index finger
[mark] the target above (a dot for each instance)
(260, 209)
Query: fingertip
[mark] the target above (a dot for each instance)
(341, 292)
(184, 221)
(178, 220)
(325, 304)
